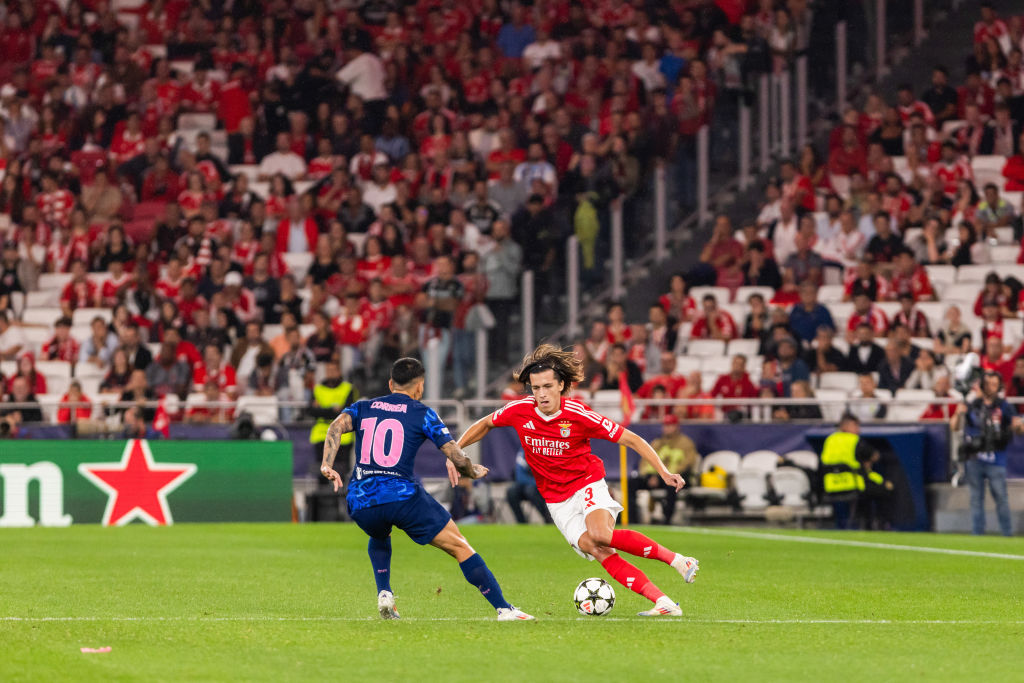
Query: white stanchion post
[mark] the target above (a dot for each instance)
(785, 115)
(572, 285)
(703, 162)
(528, 313)
(618, 257)
(744, 148)
(434, 376)
(764, 141)
(661, 212)
(880, 69)
(801, 101)
(481, 361)
(840, 66)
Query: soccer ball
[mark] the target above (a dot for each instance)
(594, 597)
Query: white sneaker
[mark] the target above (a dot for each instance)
(664, 607)
(386, 605)
(687, 567)
(513, 614)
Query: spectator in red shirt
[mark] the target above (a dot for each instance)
(849, 157)
(67, 413)
(940, 411)
(796, 187)
(298, 232)
(735, 384)
(80, 292)
(715, 323)
(910, 277)
(214, 370)
(62, 346)
(865, 312)
(667, 377)
(721, 253)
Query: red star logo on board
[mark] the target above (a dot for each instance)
(137, 487)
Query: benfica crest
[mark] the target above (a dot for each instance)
(137, 487)
(564, 428)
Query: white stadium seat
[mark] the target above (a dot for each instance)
(43, 298)
(705, 347)
(84, 316)
(747, 347)
(55, 281)
(808, 459)
(941, 273)
(608, 402)
(1004, 254)
(41, 316)
(763, 461)
(687, 364)
(752, 487)
(792, 485)
(722, 294)
(973, 273)
(743, 293)
(843, 381)
(262, 408)
(727, 460)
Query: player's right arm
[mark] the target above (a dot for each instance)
(475, 433)
(341, 425)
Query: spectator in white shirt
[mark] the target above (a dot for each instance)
(786, 227)
(284, 160)
(648, 69)
(380, 190)
(12, 341)
(847, 245)
(541, 49)
(536, 167)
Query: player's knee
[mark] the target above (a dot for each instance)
(600, 536)
(601, 552)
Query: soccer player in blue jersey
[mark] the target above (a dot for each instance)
(382, 492)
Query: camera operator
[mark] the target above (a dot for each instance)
(989, 423)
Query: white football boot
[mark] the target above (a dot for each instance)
(664, 607)
(386, 605)
(513, 614)
(687, 567)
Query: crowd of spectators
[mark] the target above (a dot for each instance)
(178, 159)
(884, 255)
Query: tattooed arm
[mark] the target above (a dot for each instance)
(341, 425)
(461, 462)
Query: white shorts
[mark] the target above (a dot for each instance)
(570, 515)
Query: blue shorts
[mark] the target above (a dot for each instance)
(421, 517)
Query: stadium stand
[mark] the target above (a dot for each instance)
(199, 178)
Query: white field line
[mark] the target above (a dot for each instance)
(683, 620)
(840, 541)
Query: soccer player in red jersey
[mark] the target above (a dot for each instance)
(555, 433)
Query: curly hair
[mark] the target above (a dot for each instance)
(567, 367)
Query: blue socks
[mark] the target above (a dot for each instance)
(476, 572)
(380, 557)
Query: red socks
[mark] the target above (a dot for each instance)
(635, 543)
(631, 577)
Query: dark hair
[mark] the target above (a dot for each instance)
(405, 371)
(562, 362)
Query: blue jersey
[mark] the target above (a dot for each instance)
(389, 432)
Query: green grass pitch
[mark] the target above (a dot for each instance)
(290, 602)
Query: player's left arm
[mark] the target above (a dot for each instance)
(461, 462)
(341, 425)
(631, 439)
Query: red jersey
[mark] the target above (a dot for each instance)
(557, 447)
(916, 283)
(874, 317)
